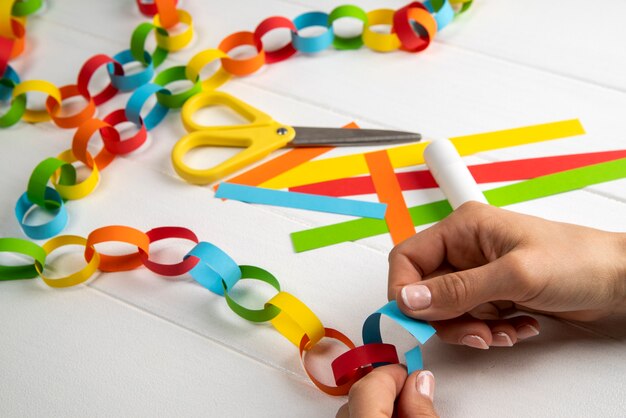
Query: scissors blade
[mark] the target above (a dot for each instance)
(338, 137)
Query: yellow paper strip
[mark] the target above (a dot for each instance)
(408, 155)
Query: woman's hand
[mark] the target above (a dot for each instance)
(387, 392)
(466, 272)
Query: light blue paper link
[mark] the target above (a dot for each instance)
(443, 16)
(214, 267)
(421, 330)
(306, 201)
(48, 229)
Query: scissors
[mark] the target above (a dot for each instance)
(259, 137)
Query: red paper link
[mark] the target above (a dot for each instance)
(482, 173)
(166, 232)
(359, 358)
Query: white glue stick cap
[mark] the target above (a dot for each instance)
(451, 173)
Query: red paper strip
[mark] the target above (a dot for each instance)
(350, 362)
(386, 184)
(483, 173)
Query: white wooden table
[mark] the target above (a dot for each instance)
(136, 344)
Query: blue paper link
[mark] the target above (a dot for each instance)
(312, 44)
(132, 81)
(214, 267)
(139, 98)
(306, 201)
(443, 16)
(48, 229)
(421, 330)
(9, 80)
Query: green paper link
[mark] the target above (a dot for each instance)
(523, 191)
(26, 7)
(21, 246)
(138, 44)
(261, 315)
(15, 112)
(38, 181)
(347, 10)
(174, 101)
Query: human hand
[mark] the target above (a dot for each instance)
(387, 392)
(464, 273)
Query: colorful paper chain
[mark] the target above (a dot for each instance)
(13, 16)
(215, 270)
(413, 28)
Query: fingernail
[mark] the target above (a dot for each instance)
(474, 341)
(416, 296)
(425, 384)
(501, 339)
(526, 331)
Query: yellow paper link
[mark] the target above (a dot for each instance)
(198, 61)
(409, 155)
(174, 42)
(78, 190)
(6, 28)
(382, 42)
(295, 320)
(42, 86)
(74, 278)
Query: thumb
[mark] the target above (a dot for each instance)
(416, 398)
(453, 294)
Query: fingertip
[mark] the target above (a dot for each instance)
(417, 395)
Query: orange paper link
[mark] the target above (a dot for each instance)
(388, 190)
(118, 233)
(287, 161)
(167, 13)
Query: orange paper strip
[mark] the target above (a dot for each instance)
(388, 189)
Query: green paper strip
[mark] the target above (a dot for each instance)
(38, 181)
(138, 42)
(536, 188)
(174, 101)
(349, 11)
(261, 315)
(26, 7)
(21, 246)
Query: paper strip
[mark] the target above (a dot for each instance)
(317, 203)
(384, 178)
(432, 212)
(408, 155)
(482, 173)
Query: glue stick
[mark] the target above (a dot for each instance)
(451, 173)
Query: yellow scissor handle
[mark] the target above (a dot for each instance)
(216, 98)
(257, 141)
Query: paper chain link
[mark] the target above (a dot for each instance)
(215, 270)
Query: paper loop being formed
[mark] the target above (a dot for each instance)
(53, 205)
(352, 12)
(41, 86)
(421, 330)
(405, 21)
(130, 82)
(216, 270)
(176, 42)
(364, 357)
(24, 247)
(245, 66)
(72, 279)
(114, 143)
(344, 387)
(381, 42)
(201, 59)
(269, 312)
(268, 25)
(172, 74)
(137, 101)
(87, 71)
(54, 108)
(117, 233)
(296, 320)
(312, 44)
(165, 232)
(138, 42)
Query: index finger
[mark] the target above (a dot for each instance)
(374, 395)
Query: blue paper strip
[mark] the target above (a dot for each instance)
(215, 270)
(421, 330)
(132, 81)
(139, 98)
(47, 229)
(306, 201)
(312, 44)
